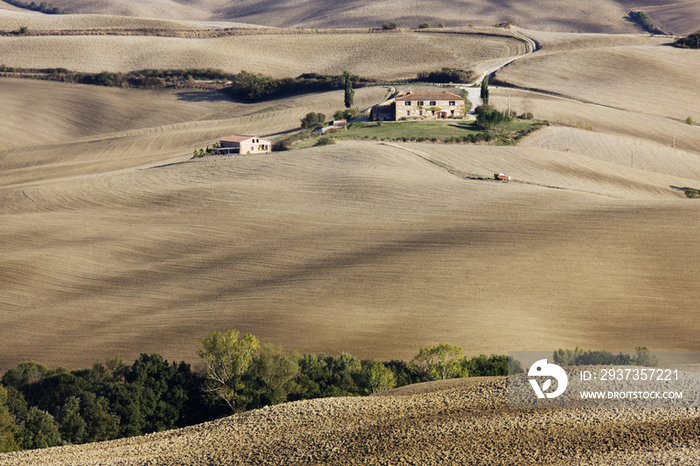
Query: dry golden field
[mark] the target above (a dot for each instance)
(114, 243)
(647, 77)
(557, 15)
(386, 56)
(361, 247)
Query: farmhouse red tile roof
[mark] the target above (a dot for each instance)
(429, 96)
(236, 138)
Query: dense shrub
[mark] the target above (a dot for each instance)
(390, 26)
(644, 20)
(488, 117)
(424, 26)
(447, 75)
(692, 41)
(579, 357)
(325, 141)
(312, 120)
(256, 87)
(44, 7)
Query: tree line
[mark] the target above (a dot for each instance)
(41, 407)
(43, 7)
(256, 87)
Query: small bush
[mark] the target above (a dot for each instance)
(644, 20)
(689, 121)
(690, 42)
(691, 193)
(313, 119)
(424, 26)
(325, 141)
(446, 75)
(441, 25)
(505, 24)
(390, 26)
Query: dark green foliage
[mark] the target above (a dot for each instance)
(485, 90)
(446, 75)
(690, 42)
(390, 26)
(348, 114)
(349, 92)
(579, 357)
(38, 430)
(107, 401)
(644, 20)
(71, 424)
(405, 374)
(44, 7)
(424, 26)
(691, 193)
(312, 120)
(148, 79)
(325, 141)
(256, 87)
(323, 376)
(494, 365)
(7, 425)
(488, 118)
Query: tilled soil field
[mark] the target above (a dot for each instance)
(464, 421)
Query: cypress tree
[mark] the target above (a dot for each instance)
(349, 92)
(485, 90)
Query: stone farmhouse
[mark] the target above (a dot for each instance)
(243, 145)
(420, 106)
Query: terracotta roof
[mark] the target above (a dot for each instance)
(429, 96)
(237, 138)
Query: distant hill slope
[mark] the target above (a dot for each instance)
(555, 15)
(609, 16)
(463, 421)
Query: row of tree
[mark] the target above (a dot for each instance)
(256, 87)
(44, 7)
(41, 408)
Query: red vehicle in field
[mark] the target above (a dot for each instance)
(501, 177)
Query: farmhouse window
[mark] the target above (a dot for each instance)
(452, 102)
(420, 103)
(452, 112)
(420, 112)
(408, 113)
(408, 103)
(433, 103)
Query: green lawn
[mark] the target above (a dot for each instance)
(426, 130)
(450, 131)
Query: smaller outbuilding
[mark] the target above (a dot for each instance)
(243, 145)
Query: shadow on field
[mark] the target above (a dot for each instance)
(204, 96)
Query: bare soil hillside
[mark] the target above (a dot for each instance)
(463, 421)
